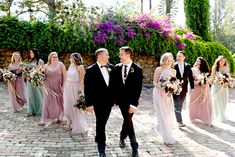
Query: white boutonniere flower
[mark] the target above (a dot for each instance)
(132, 70)
(109, 70)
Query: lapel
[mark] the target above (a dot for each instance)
(184, 69)
(100, 74)
(120, 72)
(129, 73)
(178, 70)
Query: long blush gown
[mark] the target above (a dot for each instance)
(17, 90)
(75, 117)
(164, 109)
(200, 104)
(53, 97)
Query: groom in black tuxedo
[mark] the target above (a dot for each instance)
(183, 72)
(99, 95)
(128, 79)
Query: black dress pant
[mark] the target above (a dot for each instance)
(178, 103)
(127, 126)
(102, 115)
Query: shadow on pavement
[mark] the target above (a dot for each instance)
(211, 140)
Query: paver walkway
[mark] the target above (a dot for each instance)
(20, 136)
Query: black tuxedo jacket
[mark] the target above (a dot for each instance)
(128, 93)
(96, 91)
(187, 76)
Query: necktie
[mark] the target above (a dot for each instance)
(125, 71)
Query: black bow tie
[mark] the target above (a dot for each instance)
(104, 66)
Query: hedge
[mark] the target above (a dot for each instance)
(145, 34)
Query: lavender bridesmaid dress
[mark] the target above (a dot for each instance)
(17, 90)
(53, 95)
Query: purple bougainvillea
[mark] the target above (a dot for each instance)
(100, 37)
(119, 32)
(176, 37)
(147, 35)
(130, 33)
(121, 41)
(190, 36)
(181, 46)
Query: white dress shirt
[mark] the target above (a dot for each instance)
(181, 68)
(127, 70)
(105, 73)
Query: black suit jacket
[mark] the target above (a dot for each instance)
(187, 76)
(96, 91)
(128, 93)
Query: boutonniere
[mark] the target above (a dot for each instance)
(109, 70)
(132, 70)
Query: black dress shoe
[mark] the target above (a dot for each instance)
(135, 153)
(122, 143)
(102, 155)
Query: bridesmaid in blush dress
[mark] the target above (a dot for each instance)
(163, 103)
(55, 76)
(17, 88)
(76, 119)
(220, 93)
(200, 104)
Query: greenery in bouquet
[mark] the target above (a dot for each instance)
(81, 104)
(8, 76)
(223, 79)
(202, 78)
(171, 85)
(26, 70)
(37, 76)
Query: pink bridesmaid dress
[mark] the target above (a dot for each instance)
(76, 119)
(200, 104)
(53, 95)
(17, 90)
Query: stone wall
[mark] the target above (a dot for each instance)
(148, 63)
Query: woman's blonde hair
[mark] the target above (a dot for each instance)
(12, 57)
(164, 58)
(49, 57)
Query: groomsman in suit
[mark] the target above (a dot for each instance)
(98, 94)
(128, 79)
(183, 72)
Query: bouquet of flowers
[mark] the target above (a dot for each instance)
(81, 104)
(37, 76)
(8, 76)
(26, 70)
(202, 78)
(171, 85)
(223, 79)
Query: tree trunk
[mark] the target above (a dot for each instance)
(52, 8)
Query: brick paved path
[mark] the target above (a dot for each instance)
(20, 136)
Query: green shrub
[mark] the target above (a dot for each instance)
(146, 40)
